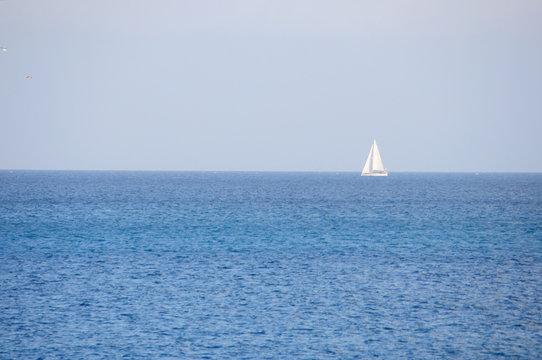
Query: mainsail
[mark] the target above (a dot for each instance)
(373, 165)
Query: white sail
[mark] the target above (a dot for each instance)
(373, 165)
(369, 163)
(377, 160)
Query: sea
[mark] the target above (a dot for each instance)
(270, 265)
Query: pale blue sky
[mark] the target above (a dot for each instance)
(271, 85)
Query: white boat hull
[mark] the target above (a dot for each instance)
(375, 174)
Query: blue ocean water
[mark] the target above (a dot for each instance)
(203, 265)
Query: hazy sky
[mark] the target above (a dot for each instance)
(271, 85)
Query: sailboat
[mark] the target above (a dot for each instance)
(373, 165)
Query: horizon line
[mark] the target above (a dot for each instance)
(283, 171)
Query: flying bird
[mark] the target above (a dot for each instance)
(28, 77)
(4, 49)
